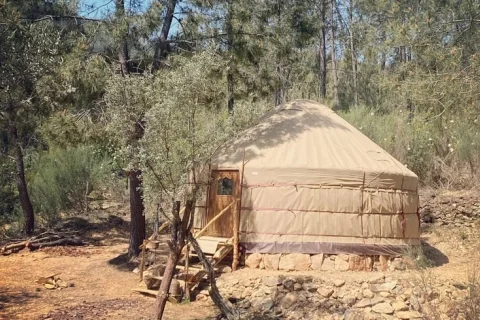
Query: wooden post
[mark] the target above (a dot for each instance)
(236, 220)
(142, 262)
(235, 236)
(187, 278)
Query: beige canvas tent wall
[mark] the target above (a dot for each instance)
(312, 183)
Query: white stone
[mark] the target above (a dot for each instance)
(384, 287)
(399, 306)
(379, 278)
(367, 293)
(253, 260)
(368, 302)
(271, 261)
(272, 281)
(383, 307)
(295, 261)
(328, 264)
(339, 283)
(341, 264)
(317, 261)
(344, 257)
(325, 292)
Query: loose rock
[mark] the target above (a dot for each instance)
(399, 306)
(272, 281)
(317, 261)
(341, 264)
(325, 292)
(383, 307)
(253, 260)
(408, 315)
(367, 293)
(271, 261)
(328, 264)
(339, 283)
(289, 300)
(369, 302)
(295, 261)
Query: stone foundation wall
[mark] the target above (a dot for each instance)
(324, 262)
(341, 297)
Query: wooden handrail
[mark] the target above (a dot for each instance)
(199, 233)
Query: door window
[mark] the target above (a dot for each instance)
(225, 187)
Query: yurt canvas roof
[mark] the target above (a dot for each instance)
(309, 143)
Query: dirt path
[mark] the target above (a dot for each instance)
(102, 290)
(102, 285)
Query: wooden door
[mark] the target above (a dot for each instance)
(224, 189)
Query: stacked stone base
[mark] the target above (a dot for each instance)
(324, 262)
(341, 297)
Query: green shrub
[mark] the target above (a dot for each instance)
(440, 150)
(8, 195)
(63, 178)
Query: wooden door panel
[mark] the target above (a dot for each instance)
(223, 190)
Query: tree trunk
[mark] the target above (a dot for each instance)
(26, 204)
(383, 59)
(224, 305)
(179, 232)
(332, 50)
(137, 217)
(27, 208)
(353, 53)
(231, 64)
(163, 292)
(322, 53)
(279, 94)
(123, 44)
(161, 46)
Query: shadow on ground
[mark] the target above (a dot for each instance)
(103, 231)
(10, 299)
(123, 262)
(437, 257)
(105, 309)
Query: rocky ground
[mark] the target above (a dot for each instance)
(372, 296)
(454, 208)
(442, 283)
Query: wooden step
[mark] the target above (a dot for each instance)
(154, 293)
(221, 253)
(181, 282)
(190, 268)
(209, 245)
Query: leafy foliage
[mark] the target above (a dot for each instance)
(184, 122)
(408, 77)
(7, 190)
(63, 179)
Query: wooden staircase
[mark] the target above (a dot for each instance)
(216, 248)
(189, 275)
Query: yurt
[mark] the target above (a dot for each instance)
(306, 181)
